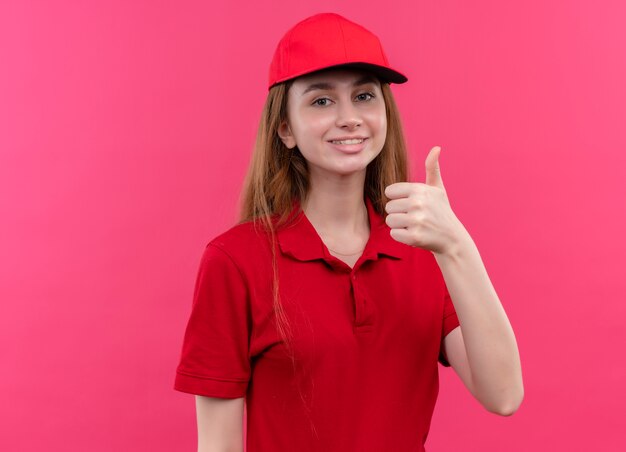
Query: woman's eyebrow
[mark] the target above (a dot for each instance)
(325, 85)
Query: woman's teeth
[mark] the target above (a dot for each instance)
(355, 141)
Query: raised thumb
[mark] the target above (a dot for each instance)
(433, 171)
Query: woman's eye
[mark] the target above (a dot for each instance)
(360, 96)
(320, 100)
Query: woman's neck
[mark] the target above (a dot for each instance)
(337, 213)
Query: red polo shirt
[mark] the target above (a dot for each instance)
(366, 339)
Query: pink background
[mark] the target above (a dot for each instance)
(125, 132)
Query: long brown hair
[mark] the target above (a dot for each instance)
(278, 175)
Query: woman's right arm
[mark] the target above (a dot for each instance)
(220, 424)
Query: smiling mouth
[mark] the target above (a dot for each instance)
(353, 141)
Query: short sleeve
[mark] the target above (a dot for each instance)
(214, 361)
(450, 322)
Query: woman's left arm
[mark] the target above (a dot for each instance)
(483, 350)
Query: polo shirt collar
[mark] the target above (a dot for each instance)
(300, 240)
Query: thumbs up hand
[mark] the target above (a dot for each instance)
(420, 214)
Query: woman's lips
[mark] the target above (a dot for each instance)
(349, 148)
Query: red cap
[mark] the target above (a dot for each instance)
(328, 40)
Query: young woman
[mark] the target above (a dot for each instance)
(329, 306)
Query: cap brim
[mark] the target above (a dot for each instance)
(383, 73)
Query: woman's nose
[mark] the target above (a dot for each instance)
(348, 115)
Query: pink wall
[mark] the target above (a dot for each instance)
(125, 131)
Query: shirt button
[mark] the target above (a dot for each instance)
(353, 276)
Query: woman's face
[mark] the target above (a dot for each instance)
(326, 108)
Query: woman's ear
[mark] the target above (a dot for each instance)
(284, 132)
